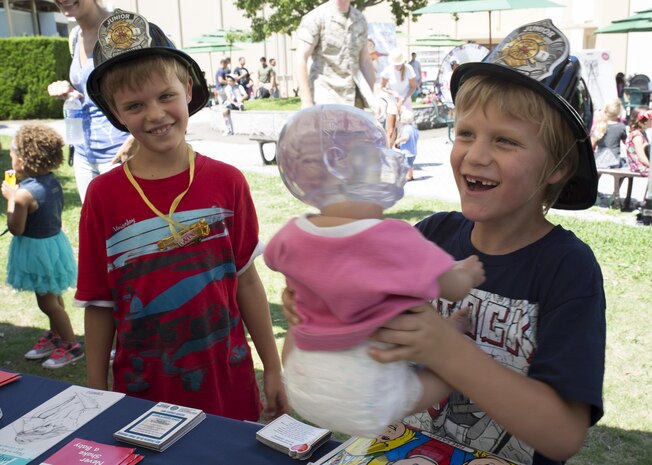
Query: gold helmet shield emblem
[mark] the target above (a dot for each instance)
(123, 31)
(534, 49)
(526, 49)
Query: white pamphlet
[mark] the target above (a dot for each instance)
(49, 423)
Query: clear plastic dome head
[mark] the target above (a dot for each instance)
(336, 153)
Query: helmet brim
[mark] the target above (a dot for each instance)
(200, 93)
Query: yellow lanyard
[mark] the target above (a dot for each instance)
(167, 218)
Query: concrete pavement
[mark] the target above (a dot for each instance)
(433, 175)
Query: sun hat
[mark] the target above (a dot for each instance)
(332, 153)
(126, 36)
(536, 56)
(396, 57)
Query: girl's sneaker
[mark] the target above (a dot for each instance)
(65, 353)
(44, 347)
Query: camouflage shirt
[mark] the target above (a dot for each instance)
(338, 39)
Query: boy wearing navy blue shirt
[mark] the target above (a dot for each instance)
(528, 374)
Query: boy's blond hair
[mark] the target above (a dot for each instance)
(39, 147)
(521, 103)
(134, 73)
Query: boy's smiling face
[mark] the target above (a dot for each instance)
(156, 114)
(498, 162)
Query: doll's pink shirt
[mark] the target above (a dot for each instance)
(349, 280)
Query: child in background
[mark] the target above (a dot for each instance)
(528, 373)
(637, 143)
(40, 256)
(607, 134)
(235, 97)
(408, 136)
(167, 244)
(352, 270)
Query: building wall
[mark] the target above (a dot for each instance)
(21, 21)
(578, 19)
(4, 25)
(203, 16)
(51, 24)
(48, 23)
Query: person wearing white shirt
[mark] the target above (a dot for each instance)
(398, 83)
(235, 95)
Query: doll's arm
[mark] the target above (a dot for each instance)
(456, 283)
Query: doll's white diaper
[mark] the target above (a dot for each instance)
(348, 391)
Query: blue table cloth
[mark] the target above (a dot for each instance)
(216, 440)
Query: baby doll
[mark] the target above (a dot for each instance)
(351, 271)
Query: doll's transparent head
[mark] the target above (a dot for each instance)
(336, 153)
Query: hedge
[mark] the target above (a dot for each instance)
(27, 66)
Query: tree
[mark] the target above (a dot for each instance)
(287, 14)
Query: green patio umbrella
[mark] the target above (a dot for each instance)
(218, 40)
(221, 37)
(475, 6)
(638, 22)
(210, 48)
(436, 40)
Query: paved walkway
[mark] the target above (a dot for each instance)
(433, 176)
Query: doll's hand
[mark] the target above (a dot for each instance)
(474, 268)
(289, 306)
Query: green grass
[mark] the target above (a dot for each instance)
(274, 104)
(287, 104)
(623, 436)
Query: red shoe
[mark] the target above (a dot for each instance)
(64, 354)
(44, 347)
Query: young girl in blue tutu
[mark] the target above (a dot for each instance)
(40, 256)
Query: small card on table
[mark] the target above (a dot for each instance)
(161, 426)
(292, 437)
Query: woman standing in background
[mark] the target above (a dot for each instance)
(398, 82)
